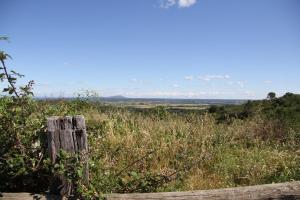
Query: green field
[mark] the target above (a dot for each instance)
(167, 106)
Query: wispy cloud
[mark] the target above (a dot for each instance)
(175, 85)
(70, 65)
(180, 3)
(241, 84)
(213, 77)
(267, 81)
(42, 84)
(167, 3)
(189, 78)
(133, 80)
(186, 3)
(249, 94)
(137, 81)
(230, 82)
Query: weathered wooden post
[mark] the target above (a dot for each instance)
(68, 134)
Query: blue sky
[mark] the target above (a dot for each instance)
(155, 48)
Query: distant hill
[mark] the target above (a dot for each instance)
(116, 97)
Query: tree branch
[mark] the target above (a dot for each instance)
(9, 81)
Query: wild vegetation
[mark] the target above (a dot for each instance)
(156, 150)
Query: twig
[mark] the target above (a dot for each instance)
(165, 179)
(38, 163)
(134, 162)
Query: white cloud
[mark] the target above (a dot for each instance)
(227, 76)
(167, 3)
(249, 94)
(175, 85)
(186, 3)
(267, 81)
(189, 78)
(241, 84)
(133, 80)
(42, 84)
(180, 3)
(213, 77)
(138, 81)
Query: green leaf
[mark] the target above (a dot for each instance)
(12, 78)
(5, 90)
(8, 56)
(2, 76)
(16, 73)
(11, 91)
(134, 174)
(79, 173)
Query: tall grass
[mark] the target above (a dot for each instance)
(135, 152)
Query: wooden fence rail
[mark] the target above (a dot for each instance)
(289, 191)
(279, 191)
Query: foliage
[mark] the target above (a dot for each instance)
(271, 95)
(20, 126)
(70, 167)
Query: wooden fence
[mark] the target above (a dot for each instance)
(280, 191)
(69, 134)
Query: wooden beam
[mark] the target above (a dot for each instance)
(280, 191)
(27, 196)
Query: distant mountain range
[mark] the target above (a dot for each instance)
(116, 97)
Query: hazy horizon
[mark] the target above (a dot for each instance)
(120, 97)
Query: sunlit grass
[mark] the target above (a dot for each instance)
(193, 151)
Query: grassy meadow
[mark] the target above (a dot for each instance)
(164, 151)
(157, 149)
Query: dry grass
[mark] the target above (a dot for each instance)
(192, 151)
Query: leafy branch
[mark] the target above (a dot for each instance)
(12, 77)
